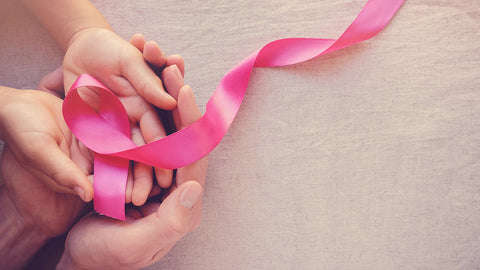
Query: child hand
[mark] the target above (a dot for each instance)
(171, 68)
(92, 47)
(126, 70)
(116, 63)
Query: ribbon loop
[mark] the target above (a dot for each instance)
(107, 131)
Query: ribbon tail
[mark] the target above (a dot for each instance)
(109, 185)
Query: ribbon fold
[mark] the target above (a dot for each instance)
(107, 132)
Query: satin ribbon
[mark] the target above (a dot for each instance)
(107, 132)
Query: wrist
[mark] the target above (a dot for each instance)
(85, 31)
(19, 240)
(65, 18)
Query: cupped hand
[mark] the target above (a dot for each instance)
(131, 70)
(37, 136)
(49, 212)
(43, 165)
(150, 231)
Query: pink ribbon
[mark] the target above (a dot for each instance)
(107, 132)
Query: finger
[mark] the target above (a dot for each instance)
(68, 80)
(187, 107)
(178, 61)
(142, 185)
(154, 235)
(153, 54)
(197, 171)
(156, 190)
(138, 40)
(152, 130)
(129, 186)
(53, 83)
(142, 174)
(173, 81)
(57, 167)
(151, 126)
(148, 85)
(189, 113)
(172, 219)
(164, 177)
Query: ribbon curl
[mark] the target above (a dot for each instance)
(107, 132)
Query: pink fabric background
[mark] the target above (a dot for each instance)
(367, 158)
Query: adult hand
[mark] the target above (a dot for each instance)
(34, 130)
(98, 242)
(92, 47)
(30, 213)
(38, 160)
(39, 207)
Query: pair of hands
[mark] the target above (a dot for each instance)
(43, 163)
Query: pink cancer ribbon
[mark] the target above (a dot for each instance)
(107, 132)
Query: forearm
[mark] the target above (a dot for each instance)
(65, 18)
(18, 241)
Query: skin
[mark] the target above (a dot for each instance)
(171, 70)
(125, 68)
(93, 243)
(44, 165)
(47, 213)
(97, 242)
(31, 124)
(33, 128)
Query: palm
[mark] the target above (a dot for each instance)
(42, 128)
(99, 59)
(99, 240)
(120, 67)
(53, 212)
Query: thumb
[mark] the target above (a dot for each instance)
(57, 170)
(171, 221)
(53, 83)
(145, 81)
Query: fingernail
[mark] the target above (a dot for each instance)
(190, 195)
(177, 72)
(80, 192)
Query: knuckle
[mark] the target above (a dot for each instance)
(176, 229)
(123, 256)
